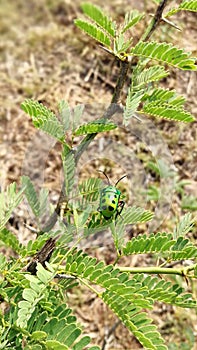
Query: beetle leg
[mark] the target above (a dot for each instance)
(121, 205)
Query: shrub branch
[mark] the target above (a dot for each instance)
(111, 110)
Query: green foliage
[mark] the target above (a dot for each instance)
(8, 202)
(165, 53)
(37, 204)
(98, 16)
(93, 31)
(184, 225)
(136, 321)
(10, 240)
(131, 19)
(186, 5)
(157, 102)
(95, 127)
(69, 171)
(163, 243)
(89, 191)
(148, 75)
(167, 111)
(36, 315)
(44, 119)
(134, 215)
(132, 103)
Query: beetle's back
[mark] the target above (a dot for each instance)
(109, 199)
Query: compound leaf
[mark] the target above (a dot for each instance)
(95, 127)
(93, 31)
(44, 119)
(166, 53)
(96, 14)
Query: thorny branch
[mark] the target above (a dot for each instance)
(111, 110)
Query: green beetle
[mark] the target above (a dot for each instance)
(110, 204)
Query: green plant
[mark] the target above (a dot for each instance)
(36, 313)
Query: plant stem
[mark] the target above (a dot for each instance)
(89, 286)
(155, 21)
(111, 110)
(120, 81)
(158, 270)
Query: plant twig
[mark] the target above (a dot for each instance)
(155, 21)
(110, 332)
(159, 270)
(111, 110)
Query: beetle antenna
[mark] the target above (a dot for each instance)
(100, 171)
(120, 179)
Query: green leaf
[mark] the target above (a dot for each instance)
(121, 45)
(29, 295)
(93, 31)
(83, 342)
(65, 114)
(55, 345)
(153, 193)
(134, 215)
(132, 103)
(9, 200)
(184, 226)
(165, 291)
(77, 113)
(3, 262)
(44, 275)
(186, 5)
(163, 243)
(164, 95)
(189, 5)
(31, 195)
(159, 242)
(44, 119)
(131, 19)
(72, 336)
(10, 240)
(43, 200)
(136, 321)
(38, 335)
(149, 75)
(167, 111)
(90, 189)
(95, 127)
(166, 53)
(97, 15)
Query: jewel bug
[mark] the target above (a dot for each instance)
(110, 204)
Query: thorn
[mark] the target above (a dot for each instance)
(31, 228)
(163, 19)
(107, 50)
(63, 276)
(138, 118)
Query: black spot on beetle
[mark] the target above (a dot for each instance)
(103, 200)
(110, 208)
(113, 201)
(104, 207)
